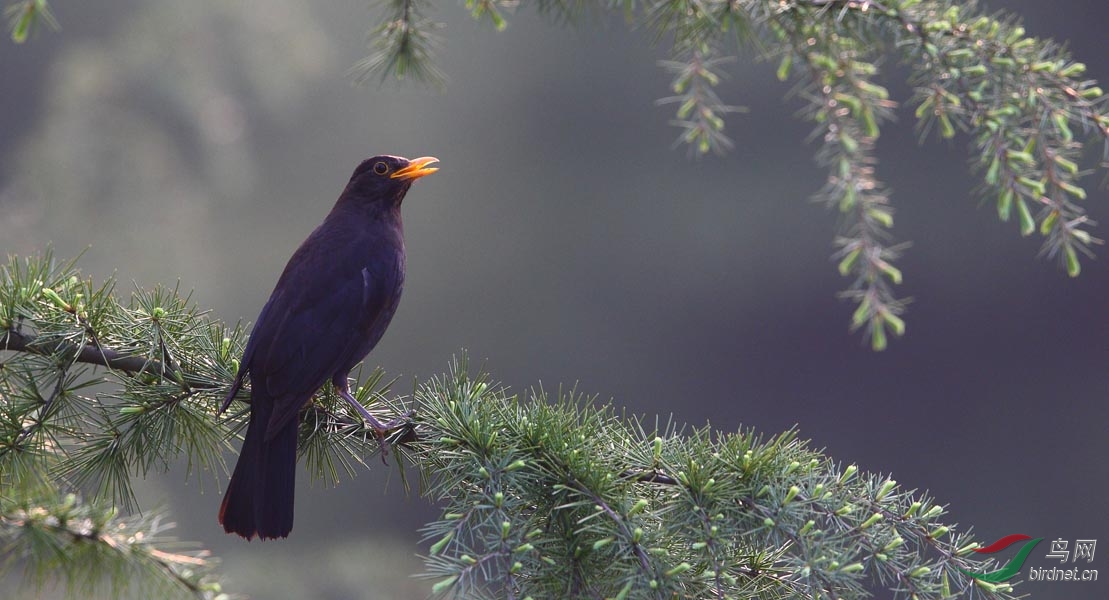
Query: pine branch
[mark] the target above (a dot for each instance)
(25, 16)
(161, 368)
(848, 107)
(542, 497)
(403, 44)
(532, 508)
(90, 548)
(1020, 98)
(92, 354)
(168, 367)
(699, 109)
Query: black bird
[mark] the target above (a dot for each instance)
(328, 310)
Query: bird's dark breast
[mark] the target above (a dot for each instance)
(329, 308)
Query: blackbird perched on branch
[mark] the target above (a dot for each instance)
(328, 310)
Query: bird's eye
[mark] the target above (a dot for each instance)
(381, 168)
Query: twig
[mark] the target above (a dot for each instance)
(93, 354)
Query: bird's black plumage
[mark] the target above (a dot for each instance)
(330, 307)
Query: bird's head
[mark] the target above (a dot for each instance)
(387, 178)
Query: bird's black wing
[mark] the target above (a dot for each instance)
(316, 319)
(248, 353)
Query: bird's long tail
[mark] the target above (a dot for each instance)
(259, 498)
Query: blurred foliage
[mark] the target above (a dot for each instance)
(154, 97)
(541, 497)
(1023, 101)
(25, 16)
(403, 45)
(97, 552)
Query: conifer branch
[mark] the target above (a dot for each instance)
(542, 497)
(403, 44)
(733, 516)
(91, 354)
(91, 548)
(1023, 101)
(25, 16)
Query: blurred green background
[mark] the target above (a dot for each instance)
(564, 241)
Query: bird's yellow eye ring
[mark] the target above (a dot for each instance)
(381, 168)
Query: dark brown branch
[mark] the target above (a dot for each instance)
(651, 476)
(93, 354)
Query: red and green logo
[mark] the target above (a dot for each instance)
(1014, 565)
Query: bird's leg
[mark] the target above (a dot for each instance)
(380, 429)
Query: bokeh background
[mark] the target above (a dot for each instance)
(564, 241)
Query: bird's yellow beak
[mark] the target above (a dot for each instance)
(417, 167)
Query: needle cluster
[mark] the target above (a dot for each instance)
(556, 497)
